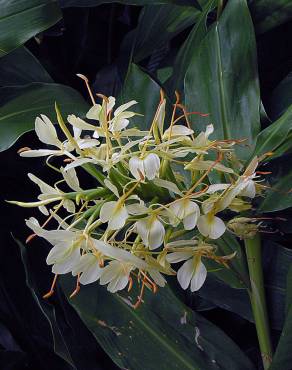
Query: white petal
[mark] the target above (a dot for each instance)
(87, 143)
(124, 107)
(107, 211)
(119, 254)
(151, 165)
(53, 236)
(217, 187)
(111, 187)
(40, 153)
(185, 274)
(69, 205)
(111, 103)
(45, 188)
(80, 123)
(94, 112)
(136, 163)
(46, 132)
(211, 226)
(178, 130)
(176, 257)
(199, 276)
(137, 209)
(168, 185)
(68, 264)
(249, 191)
(118, 218)
(156, 234)
(157, 277)
(71, 179)
(192, 215)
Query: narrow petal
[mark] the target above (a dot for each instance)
(125, 106)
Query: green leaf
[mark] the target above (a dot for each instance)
(161, 331)
(274, 135)
(186, 51)
(280, 196)
(237, 275)
(158, 24)
(268, 14)
(281, 98)
(46, 309)
(276, 261)
(283, 356)
(222, 78)
(20, 67)
(140, 86)
(17, 116)
(22, 19)
(89, 3)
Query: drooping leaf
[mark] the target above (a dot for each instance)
(283, 357)
(20, 67)
(18, 114)
(268, 14)
(89, 3)
(22, 19)
(222, 78)
(273, 136)
(141, 87)
(162, 331)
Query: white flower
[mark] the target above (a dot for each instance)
(47, 134)
(121, 115)
(211, 226)
(193, 272)
(151, 231)
(177, 130)
(88, 265)
(82, 125)
(94, 112)
(115, 213)
(186, 211)
(202, 140)
(116, 274)
(148, 166)
(65, 253)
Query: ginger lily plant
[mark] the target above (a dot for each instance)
(164, 197)
(157, 204)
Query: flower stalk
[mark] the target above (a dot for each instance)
(257, 298)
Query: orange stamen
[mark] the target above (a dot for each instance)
(51, 291)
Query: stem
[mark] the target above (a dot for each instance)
(257, 298)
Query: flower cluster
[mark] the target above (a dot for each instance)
(162, 198)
